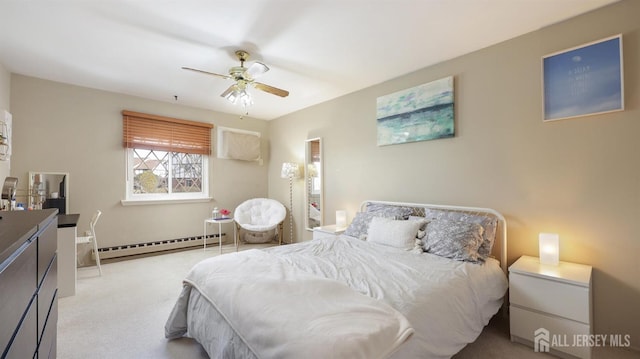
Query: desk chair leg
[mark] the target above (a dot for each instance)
(98, 263)
(97, 254)
(91, 238)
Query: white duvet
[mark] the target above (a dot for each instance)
(447, 302)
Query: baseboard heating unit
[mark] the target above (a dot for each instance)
(156, 246)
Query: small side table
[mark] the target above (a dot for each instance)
(327, 231)
(220, 222)
(550, 300)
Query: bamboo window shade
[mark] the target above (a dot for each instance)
(152, 132)
(315, 151)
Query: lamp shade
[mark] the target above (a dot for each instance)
(341, 219)
(312, 171)
(290, 170)
(549, 248)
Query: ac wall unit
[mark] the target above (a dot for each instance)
(238, 144)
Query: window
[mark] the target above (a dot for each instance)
(167, 159)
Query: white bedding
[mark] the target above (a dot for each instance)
(281, 312)
(447, 302)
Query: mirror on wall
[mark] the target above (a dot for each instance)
(314, 208)
(49, 190)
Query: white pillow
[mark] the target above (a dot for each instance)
(393, 233)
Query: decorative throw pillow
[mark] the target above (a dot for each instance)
(394, 233)
(360, 225)
(489, 225)
(417, 247)
(454, 239)
(422, 232)
(389, 210)
(421, 219)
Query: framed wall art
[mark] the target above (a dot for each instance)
(420, 113)
(584, 80)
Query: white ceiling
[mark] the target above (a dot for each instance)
(316, 49)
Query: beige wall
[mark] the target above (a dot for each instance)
(65, 128)
(579, 178)
(5, 97)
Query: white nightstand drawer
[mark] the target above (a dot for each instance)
(524, 323)
(561, 299)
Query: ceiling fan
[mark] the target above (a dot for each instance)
(243, 77)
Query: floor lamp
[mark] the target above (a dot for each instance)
(290, 170)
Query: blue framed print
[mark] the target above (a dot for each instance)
(584, 80)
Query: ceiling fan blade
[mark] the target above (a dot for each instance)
(207, 72)
(270, 89)
(256, 69)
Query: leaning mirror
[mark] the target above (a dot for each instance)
(49, 190)
(313, 183)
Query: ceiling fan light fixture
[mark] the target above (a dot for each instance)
(232, 94)
(245, 99)
(238, 94)
(244, 77)
(232, 97)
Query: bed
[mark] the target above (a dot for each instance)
(406, 280)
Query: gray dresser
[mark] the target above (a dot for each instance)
(28, 284)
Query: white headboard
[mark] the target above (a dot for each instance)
(499, 250)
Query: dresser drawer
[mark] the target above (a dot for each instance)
(25, 341)
(561, 299)
(46, 294)
(524, 323)
(47, 246)
(47, 345)
(17, 287)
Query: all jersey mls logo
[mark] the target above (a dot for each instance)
(543, 340)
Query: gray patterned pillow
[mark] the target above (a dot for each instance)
(454, 239)
(489, 225)
(360, 225)
(389, 210)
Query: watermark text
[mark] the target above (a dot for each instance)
(543, 340)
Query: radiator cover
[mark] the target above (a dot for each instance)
(155, 246)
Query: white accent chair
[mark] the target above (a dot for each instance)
(91, 238)
(260, 216)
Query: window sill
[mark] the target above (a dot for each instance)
(143, 202)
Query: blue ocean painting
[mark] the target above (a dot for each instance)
(420, 113)
(583, 81)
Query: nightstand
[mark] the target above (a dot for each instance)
(327, 231)
(551, 305)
